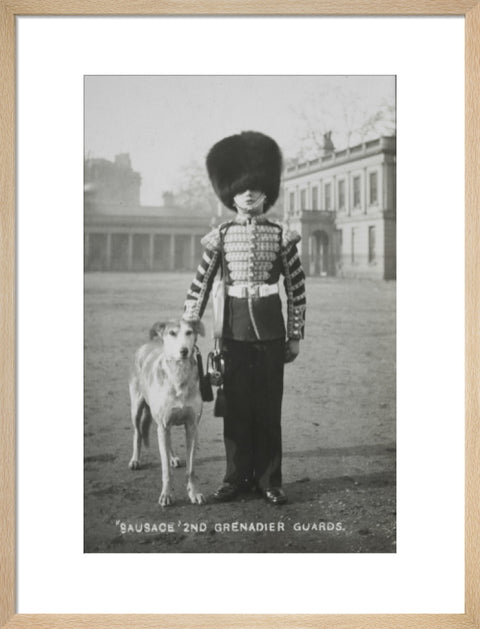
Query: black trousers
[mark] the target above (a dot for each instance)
(253, 385)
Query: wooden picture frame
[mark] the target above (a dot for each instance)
(9, 10)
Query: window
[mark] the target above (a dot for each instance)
(328, 196)
(315, 198)
(356, 192)
(292, 201)
(341, 195)
(373, 186)
(371, 244)
(303, 199)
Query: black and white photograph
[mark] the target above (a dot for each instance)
(240, 314)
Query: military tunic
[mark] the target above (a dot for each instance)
(253, 253)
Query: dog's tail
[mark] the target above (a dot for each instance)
(145, 422)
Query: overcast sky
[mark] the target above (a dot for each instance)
(165, 122)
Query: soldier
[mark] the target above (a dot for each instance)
(252, 252)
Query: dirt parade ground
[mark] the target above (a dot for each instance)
(338, 430)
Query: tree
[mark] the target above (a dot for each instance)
(194, 191)
(349, 115)
(380, 122)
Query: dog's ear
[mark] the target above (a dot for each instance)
(199, 328)
(157, 330)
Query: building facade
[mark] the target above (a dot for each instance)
(344, 206)
(143, 239)
(122, 235)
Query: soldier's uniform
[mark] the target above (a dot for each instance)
(253, 253)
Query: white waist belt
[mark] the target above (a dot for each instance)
(258, 290)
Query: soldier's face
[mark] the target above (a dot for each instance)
(250, 202)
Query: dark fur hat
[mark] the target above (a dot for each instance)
(246, 161)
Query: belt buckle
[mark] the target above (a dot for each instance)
(253, 291)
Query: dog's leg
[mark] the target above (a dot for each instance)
(173, 458)
(196, 497)
(138, 407)
(166, 497)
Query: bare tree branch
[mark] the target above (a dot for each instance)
(345, 113)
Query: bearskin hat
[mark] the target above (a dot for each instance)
(247, 161)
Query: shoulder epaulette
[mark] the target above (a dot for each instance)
(289, 237)
(212, 239)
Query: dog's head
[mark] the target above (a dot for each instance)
(178, 336)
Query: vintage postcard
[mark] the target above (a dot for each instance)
(273, 429)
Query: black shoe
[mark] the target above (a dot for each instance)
(275, 496)
(226, 492)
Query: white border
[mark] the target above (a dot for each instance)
(426, 575)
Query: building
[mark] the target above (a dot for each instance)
(141, 238)
(344, 206)
(111, 182)
(122, 235)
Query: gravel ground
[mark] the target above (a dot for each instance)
(338, 430)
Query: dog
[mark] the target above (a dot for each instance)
(164, 386)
